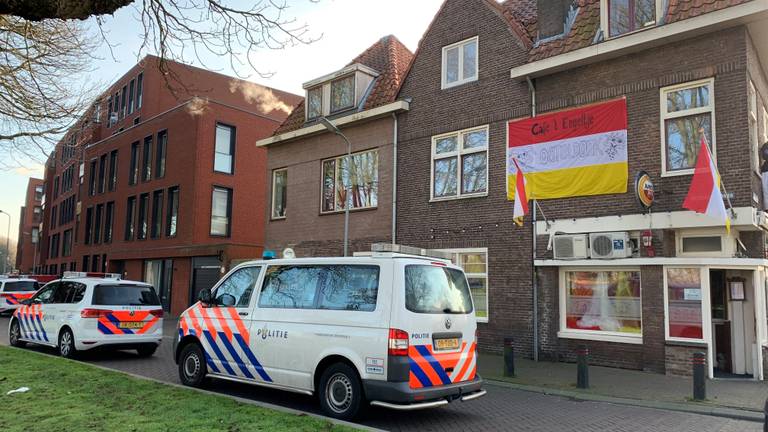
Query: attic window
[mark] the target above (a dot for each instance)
(625, 16)
(314, 102)
(460, 63)
(343, 93)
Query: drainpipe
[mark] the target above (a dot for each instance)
(394, 178)
(532, 91)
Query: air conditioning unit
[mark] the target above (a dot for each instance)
(572, 246)
(610, 245)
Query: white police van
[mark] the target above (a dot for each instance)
(83, 311)
(390, 329)
(14, 290)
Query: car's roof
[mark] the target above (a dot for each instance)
(346, 260)
(100, 280)
(17, 280)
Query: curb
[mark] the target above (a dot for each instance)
(732, 413)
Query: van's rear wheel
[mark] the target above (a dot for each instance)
(341, 394)
(192, 367)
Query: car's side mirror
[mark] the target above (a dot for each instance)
(205, 296)
(26, 302)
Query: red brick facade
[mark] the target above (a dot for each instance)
(29, 224)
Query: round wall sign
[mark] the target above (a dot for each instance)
(644, 189)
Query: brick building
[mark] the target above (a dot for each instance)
(307, 167)
(29, 227)
(162, 181)
(679, 66)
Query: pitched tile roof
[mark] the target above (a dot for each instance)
(390, 58)
(683, 9)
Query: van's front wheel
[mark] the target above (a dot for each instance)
(341, 393)
(192, 368)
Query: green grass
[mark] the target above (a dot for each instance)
(66, 395)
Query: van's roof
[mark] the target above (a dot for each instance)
(348, 260)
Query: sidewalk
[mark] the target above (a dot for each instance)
(726, 397)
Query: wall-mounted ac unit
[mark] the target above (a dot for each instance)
(610, 245)
(572, 246)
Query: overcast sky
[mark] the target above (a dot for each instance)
(346, 28)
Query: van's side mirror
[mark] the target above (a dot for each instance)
(205, 296)
(26, 301)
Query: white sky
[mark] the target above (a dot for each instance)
(347, 28)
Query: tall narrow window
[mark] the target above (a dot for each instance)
(109, 111)
(146, 170)
(109, 221)
(131, 88)
(116, 108)
(94, 178)
(102, 172)
(143, 213)
(352, 180)
(53, 216)
(225, 149)
(684, 303)
(626, 16)
(172, 216)
(314, 103)
(130, 218)
(685, 110)
(279, 192)
(133, 174)
(88, 225)
(124, 101)
(139, 90)
(753, 134)
(162, 149)
(39, 193)
(112, 170)
(97, 224)
(157, 214)
(221, 211)
(37, 214)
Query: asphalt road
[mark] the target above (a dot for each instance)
(502, 409)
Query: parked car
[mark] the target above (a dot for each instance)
(389, 329)
(83, 311)
(14, 290)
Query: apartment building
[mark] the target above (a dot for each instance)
(30, 218)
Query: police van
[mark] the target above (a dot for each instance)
(390, 329)
(14, 290)
(83, 311)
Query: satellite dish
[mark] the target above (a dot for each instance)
(289, 253)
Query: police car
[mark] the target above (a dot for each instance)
(390, 329)
(83, 311)
(14, 290)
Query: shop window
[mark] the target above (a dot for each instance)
(602, 304)
(683, 294)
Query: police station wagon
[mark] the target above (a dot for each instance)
(13, 291)
(389, 329)
(83, 311)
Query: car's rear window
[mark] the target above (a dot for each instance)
(21, 286)
(434, 289)
(125, 295)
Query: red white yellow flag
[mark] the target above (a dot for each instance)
(521, 195)
(704, 193)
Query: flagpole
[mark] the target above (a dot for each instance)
(717, 171)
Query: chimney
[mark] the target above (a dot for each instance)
(551, 16)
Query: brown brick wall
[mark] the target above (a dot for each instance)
(679, 359)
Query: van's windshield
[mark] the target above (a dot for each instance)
(433, 289)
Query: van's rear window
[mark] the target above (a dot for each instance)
(21, 286)
(125, 295)
(432, 289)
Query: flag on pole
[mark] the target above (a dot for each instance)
(704, 194)
(521, 195)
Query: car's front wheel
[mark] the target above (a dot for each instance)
(67, 344)
(14, 334)
(340, 391)
(192, 367)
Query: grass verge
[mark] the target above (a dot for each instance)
(66, 395)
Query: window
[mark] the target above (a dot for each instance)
(54, 246)
(349, 287)
(221, 211)
(117, 107)
(360, 180)
(146, 171)
(109, 111)
(314, 103)
(702, 244)
(97, 224)
(66, 249)
(69, 292)
(39, 193)
(683, 296)
(343, 93)
(626, 16)
(433, 289)
(225, 149)
(37, 214)
(86, 266)
(279, 192)
(130, 218)
(162, 149)
(21, 286)
(765, 125)
(112, 170)
(109, 221)
(124, 295)
(133, 173)
(474, 262)
(753, 134)
(124, 101)
(157, 214)
(88, 225)
(143, 210)
(172, 215)
(45, 295)
(139, 90)
(290, 287)
(460, 164)
(237, 289)
(35, 235)
(95, 264)
(102, 172)
(685, 110)
(460, 63)
(92, 185)
(56, 187)
(131, 88)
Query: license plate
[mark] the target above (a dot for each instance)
(446, 344)
(131, 324)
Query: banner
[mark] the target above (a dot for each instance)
(577, 152)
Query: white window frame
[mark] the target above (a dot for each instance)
(605, 19)
(274, 194)
(336, 167)
(444, 84)
(753, 124)
(765, 127)
(706, 312)
(596, 335)
(306, 105)
(457, 261)
(727, 243)
(458, 154)
(663, 115)
(330, 93)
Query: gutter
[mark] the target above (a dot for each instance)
(534, 282)
(394, 178)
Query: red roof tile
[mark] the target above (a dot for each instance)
(390, 58)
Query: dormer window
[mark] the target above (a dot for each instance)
(314, 103)
(343, 93)
(626, 16)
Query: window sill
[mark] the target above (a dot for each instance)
(355, 210)
(275, 219)
(445, 86)
(677, 173)
(635, 31)
(601, 336)
(696, 343)
(459, 197)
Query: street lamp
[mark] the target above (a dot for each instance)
(7, 243)
(332, 128)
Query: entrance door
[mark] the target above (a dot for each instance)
(721, 326)
(158, 274)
